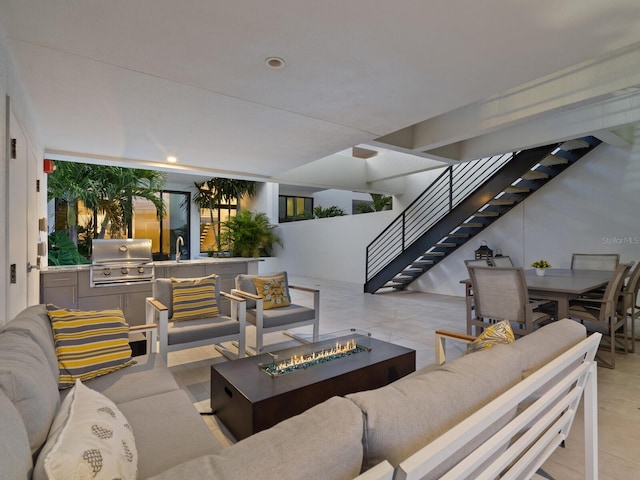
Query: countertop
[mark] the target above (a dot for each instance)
(162, 263)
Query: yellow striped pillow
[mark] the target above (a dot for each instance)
(89, 343)
(194, 298)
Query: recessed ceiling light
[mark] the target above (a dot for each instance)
(172, 159)
(274, 62)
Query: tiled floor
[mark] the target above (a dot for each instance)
(410, 319)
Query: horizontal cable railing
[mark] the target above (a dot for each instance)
(453, 186)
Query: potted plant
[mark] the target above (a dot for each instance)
(540, 266)
(250, 234)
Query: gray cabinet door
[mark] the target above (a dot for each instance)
(186, 271)
(103, 302)
(134, 307)
(65, 297)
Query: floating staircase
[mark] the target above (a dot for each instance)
(459, 204)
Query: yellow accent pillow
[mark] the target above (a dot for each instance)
(194, 298)
(500, 333)
(273, 291)
(89, 343)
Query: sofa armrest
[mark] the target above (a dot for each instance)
(243, 294)
(442, 336)
(304, 289)
(158, 314)
(152, 338)
(238, 313)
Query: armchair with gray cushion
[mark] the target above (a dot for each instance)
(198, 319)
(272, 316)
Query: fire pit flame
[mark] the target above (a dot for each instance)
(297, 362)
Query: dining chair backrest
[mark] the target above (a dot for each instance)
(481, 262)
(594, 261)
(500, 293)
(502, 262)
(612, 292)
(633, 284)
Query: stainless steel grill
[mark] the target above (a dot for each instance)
(121, 262)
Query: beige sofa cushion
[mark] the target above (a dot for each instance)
(15, 455)
(26, 379)
(35, 323)
(406, 415)
(168, 431)
(323, 443)
(545, 344)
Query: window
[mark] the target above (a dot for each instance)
(291, 209)
(165, 231)
(211, 222)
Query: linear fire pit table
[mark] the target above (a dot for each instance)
(247, 397)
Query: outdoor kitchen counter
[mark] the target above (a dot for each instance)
(163, 263)
(69, 286)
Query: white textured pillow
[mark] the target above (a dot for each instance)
(89, 439)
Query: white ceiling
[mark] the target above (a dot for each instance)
(133, 81)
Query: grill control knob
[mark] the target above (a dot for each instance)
(140, 269)
(106, 272)
(123, 248)
(124, 270)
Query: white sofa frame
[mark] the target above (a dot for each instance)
(545, 424)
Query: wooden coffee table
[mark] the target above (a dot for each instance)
(248, 400)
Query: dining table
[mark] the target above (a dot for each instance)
(561, 285)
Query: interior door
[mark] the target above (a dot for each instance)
(17, 216)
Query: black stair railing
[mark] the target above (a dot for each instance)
(453, 186)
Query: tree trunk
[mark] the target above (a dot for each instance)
(72, 221)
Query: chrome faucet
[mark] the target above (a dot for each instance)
(179, 243)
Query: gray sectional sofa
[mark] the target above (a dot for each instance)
(338, 439)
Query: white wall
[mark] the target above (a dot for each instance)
(330, 248)
(334, 248)
(593, 207)
(11, 85)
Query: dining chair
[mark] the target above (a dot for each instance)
(482, 262)
(628, 305)
(594, 261)
(502, 262)
(603, 315)
(502, 294)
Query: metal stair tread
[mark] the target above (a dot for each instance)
(486, 214)
(471, 225)
(535, 175)
(501, 201)
(573, 144)
(446, 245)
(516, 189)
(553, 159)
